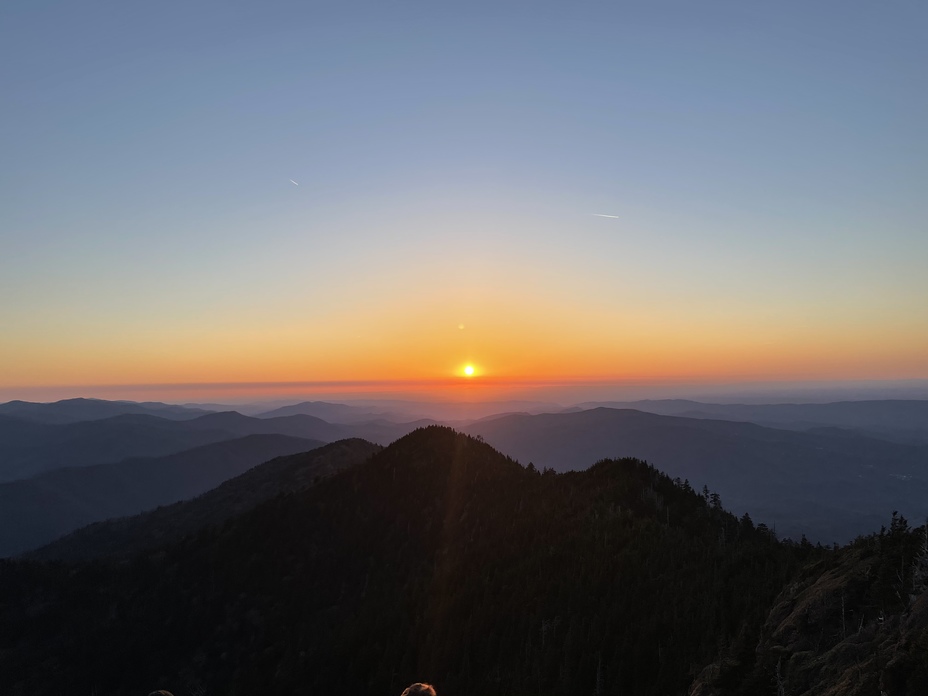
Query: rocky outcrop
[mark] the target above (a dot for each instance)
(854, 624)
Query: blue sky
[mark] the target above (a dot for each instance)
(767, 164)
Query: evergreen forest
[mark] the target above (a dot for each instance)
(439, 559)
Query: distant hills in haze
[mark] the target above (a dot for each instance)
(37, 510)
(401, 411)
(898, 420)
(830, 485)
(76, 410)
(333, 413)
(29, 447)
(829, 471)
(58, 476)
(283, 474)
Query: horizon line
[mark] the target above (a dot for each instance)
(451, 389)
(477, 381)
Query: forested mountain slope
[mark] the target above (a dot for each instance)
(438, 559)
(854, 623)
(285, 474)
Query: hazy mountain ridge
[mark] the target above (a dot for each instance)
(301, 425)
(901, 420)
(28, 448)
(36, 511)
(285, 474)
(81, 409)
(331, 412)
(829, 486)
(439, 559)
(827, 482)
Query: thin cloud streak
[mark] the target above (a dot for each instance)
(293, 182)
(614, 217)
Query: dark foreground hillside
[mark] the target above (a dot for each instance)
(124, 537)
(853, 623)
(438, 559)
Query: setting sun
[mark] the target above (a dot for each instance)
(469, 371)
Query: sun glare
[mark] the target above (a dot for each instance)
(469, 371)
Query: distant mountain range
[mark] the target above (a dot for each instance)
(75, 410)
(830, 485)
(28, 448)
(830, 471)
(897, 420)
(333, 413)
(284, 474)
(401, 411)
(38, 510)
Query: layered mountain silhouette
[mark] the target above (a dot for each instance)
(333, 413)
(898, 420)
(828, 485)
(75, 410)
(285, 474)
(580, 570)
(28, 448)
(35, 511)
(438, 559)
(828, 482)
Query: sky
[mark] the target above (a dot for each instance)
(371, 196)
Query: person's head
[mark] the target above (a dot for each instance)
(160, 692)
(418, 689)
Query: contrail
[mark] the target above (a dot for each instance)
(615, 217)
(293, 182)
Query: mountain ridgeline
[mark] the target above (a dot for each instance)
(436, 559)
(31, 447)
(38, 510)
(831, 485)
(828, 483)
(125, 536)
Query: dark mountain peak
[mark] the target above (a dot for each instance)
(440, 447)
(437, 557)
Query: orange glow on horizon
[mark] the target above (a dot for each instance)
(524, 342)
